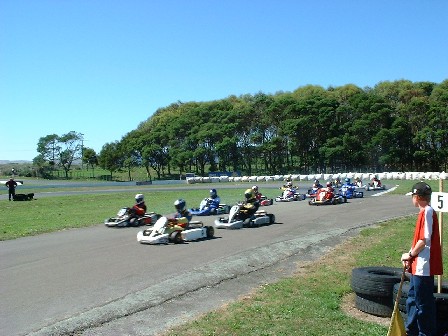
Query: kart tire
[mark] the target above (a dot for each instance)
(210, 231)
(227, 209)
(247, 222)
(271, 218)
(176, 237)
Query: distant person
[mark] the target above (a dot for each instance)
(423, 261)
(11, 185)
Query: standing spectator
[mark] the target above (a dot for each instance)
(423, 261)
(11, 185)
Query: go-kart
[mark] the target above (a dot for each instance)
(264, 201)
(206, 209)
(169, 230)
(238, 219)
(290, 195)
(23, 197)
(375, 185)
(324, 197)
(126, 217)
(350, 191)
(312, 192)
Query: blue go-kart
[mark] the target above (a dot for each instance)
(350, 191)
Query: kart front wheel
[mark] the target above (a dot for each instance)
(176, 237)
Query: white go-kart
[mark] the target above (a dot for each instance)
(237, 220)
(169, 230)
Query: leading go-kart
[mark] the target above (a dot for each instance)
(126, 217)
(290, 195)
(169, 230)
(206, 208)
(350, 191)
(238, 219)
(325, 197)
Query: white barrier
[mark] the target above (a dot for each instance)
(323, 177)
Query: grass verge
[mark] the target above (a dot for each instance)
(309, 303)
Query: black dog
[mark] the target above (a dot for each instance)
(23, 197)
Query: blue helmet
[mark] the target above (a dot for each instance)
(213, 193)
(180, 204)
(347, 180)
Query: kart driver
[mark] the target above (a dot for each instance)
(250, 205)
(214, 200)
(138, 210)
(256, 192)
(330, 188)
(327, 193)
(317, 185)
(376, 182)
(139, 207)
(182, 217)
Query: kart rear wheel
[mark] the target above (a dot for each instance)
(271, 218)
(210, 232)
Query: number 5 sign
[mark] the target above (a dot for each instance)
(439, 201)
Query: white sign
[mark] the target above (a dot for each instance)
(439, 201)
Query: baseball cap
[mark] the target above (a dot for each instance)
(421, 189)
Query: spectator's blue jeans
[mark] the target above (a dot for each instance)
(421, 307)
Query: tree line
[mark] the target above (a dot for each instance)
(394, 126)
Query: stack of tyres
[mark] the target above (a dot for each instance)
(373, 287)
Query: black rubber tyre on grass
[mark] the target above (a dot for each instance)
(374, 305)
(376, 281)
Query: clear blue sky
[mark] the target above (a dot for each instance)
(101, 67)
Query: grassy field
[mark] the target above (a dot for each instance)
(308, 303)
(48, 214)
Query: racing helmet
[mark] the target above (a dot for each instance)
(180, 204)
(248, 194)
(329, 184)
(289, 184)
(347, 180)
(316, 181)
(139, 198)
(213, 193)
(255, 189)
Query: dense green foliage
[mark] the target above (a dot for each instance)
(395, 126)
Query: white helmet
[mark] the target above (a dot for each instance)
(139, 198)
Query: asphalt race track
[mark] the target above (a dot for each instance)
(100, 281)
